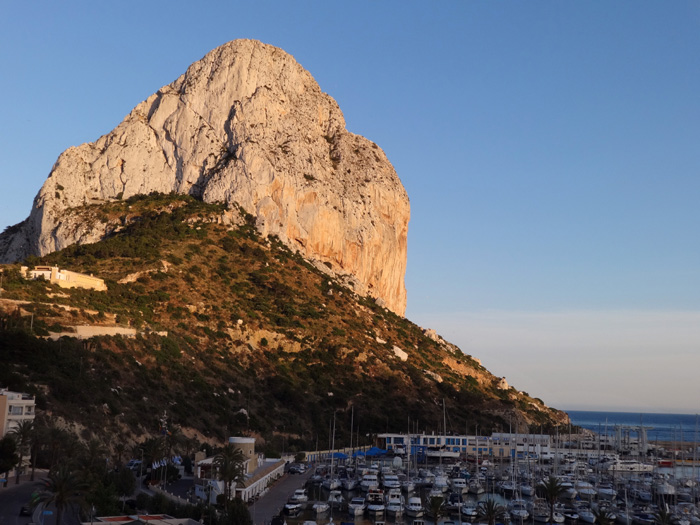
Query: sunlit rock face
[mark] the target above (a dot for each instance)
(246, 124)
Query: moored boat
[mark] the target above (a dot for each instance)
(375, 502)
(357, 506)
(414, 507)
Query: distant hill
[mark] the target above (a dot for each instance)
(235, 334)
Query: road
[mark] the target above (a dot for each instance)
(12, 498)
(273, 501)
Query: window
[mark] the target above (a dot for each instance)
(15, 410)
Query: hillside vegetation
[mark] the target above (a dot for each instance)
(234, 335)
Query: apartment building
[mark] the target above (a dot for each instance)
(14, 407)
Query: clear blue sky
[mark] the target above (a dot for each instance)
(551, 151)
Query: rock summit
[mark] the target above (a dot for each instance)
(245, 125)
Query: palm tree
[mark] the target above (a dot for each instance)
(230, 464)
(662, 516)
(173, 440)
(490, 512)
(94, 454)
(60, 444)
(24, 435)
(190, 445)
(435, 507)
(153, 452)
(604, 517)
(63, 488)
(552, 489)
(119, 450)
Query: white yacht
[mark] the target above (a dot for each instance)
(320, 507)
(517, 509)
(475, 487)
(369, 482)
(414, 507)
(441, 483)
(348, 484)
(469, 511)
(459, 485)
(357, 506)
(375, 502)
(335, 499)
(394, 502)
(391, 481)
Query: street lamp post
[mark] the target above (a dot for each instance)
(141, 470)
(209, 500)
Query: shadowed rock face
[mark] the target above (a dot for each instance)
(246, 124)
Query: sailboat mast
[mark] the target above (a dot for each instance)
(352, 421)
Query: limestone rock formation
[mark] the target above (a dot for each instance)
(245, 124)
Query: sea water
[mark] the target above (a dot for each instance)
(660, 427)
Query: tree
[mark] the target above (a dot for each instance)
(63, 488)
(23, 434)
(60, 444)
(174, 439)
(8, 455)
(237, 513)
(119, 450)
(661, 516)
(551, 490)
(94, 455)
(435, 507)
(230, 463)
(103, 498)
(190, 445)
(125, 484)
(153, 452)
(604, 517)
(490, 512)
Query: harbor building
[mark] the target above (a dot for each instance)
(259, 471)
(442, 446)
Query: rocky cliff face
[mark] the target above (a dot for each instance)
(246, 124)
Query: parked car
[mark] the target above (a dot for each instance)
(26, 510)
(134, 465)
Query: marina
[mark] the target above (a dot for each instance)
(629, 484)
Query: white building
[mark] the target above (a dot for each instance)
(259, 473)
(14, 407)
(455, 446)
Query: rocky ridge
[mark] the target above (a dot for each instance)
(246, 124)
(240, 322)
